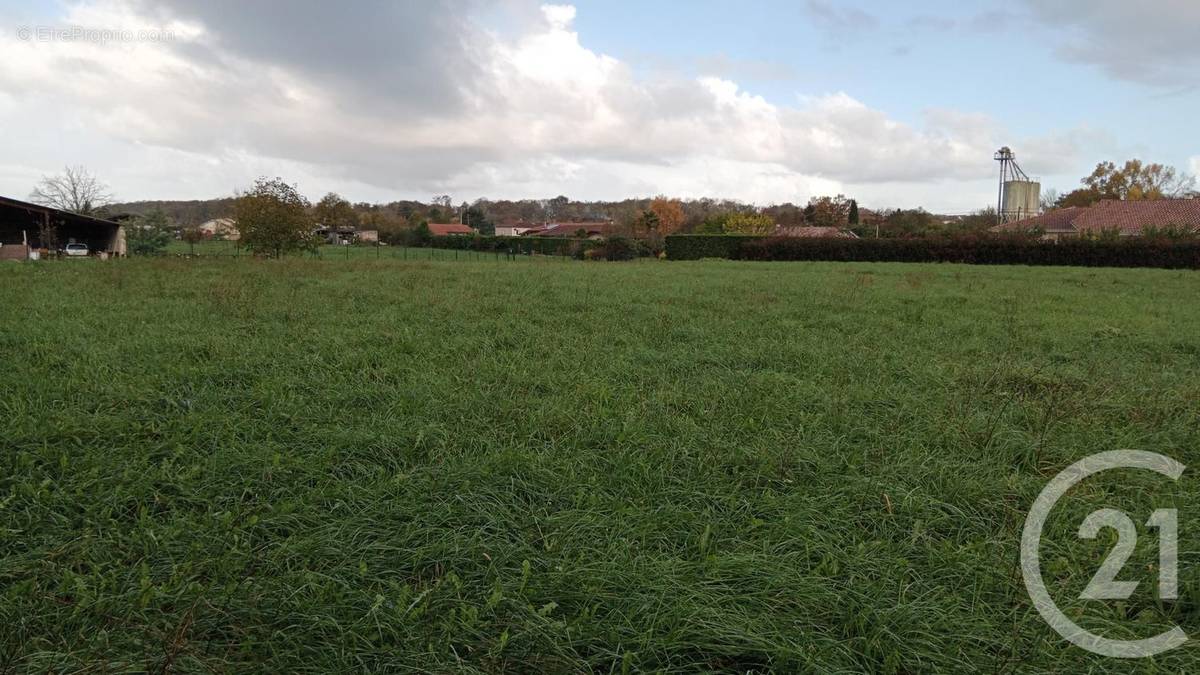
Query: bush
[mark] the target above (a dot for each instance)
(563, 246)
(697, 246)
(619, 248)
(972, 250)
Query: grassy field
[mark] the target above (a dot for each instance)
(334, 465)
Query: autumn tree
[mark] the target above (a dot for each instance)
(273, 218)
(1134, 181)
(749, 223)
(75, 189)
(335, 213)
(669, 213)
(827, 211)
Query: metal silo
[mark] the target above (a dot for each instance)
(1020, 197)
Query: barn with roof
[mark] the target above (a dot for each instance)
(27, 227)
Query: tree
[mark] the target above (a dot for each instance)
(1136, 181)
(76, 190)
(852, 219)
(647, 222)
(420, 234)
(713, 224)
(749, 223)
(669, 213)
(335, 213)
(476, 217)
(827, 211)
(192, 235)
(273, 218)
(1049, 200)
(148, 234)
(909, 223)
(1133, 181)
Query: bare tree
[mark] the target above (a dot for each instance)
(76, 190)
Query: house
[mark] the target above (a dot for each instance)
(514, 228)
(590, 230)
(220, 228)
(447, 229)
(1125, 218)
(367, 236)
(806, 232)
(22, 226)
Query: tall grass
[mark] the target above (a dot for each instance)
(329, 465)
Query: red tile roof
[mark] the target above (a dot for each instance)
(569, 229)
(442, 229)
(1058, 220)
(1130, 217)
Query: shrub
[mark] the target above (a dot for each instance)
(697, 246)
(619, 248)
(972, 249)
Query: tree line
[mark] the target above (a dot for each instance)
(274, 217)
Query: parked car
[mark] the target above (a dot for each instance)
(76, 250)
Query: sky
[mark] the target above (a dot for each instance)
(898, 105)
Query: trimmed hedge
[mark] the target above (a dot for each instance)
(517, 245)
(697, 246)
(979, 250)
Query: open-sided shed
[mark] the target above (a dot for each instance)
(23, 224)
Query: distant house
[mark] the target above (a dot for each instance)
(805, 232)
(514, 228)
(591, 230)
(22, 225)
(1126, 218)
(220, 228)
(450, 229)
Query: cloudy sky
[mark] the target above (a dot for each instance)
(897, 104)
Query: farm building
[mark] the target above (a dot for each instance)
(1126, 218)
(23, 226)
(514, 228)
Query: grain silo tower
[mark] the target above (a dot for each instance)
(1020, 197)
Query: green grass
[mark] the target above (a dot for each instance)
(330, 465)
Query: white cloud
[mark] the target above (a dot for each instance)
(465, 112)
(1151, 42)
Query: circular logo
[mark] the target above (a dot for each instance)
(1103, 586)
(24, 33)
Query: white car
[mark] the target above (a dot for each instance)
(76, 250)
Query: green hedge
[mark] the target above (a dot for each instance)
(515, 245)
(972, 250)
(697, 246)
